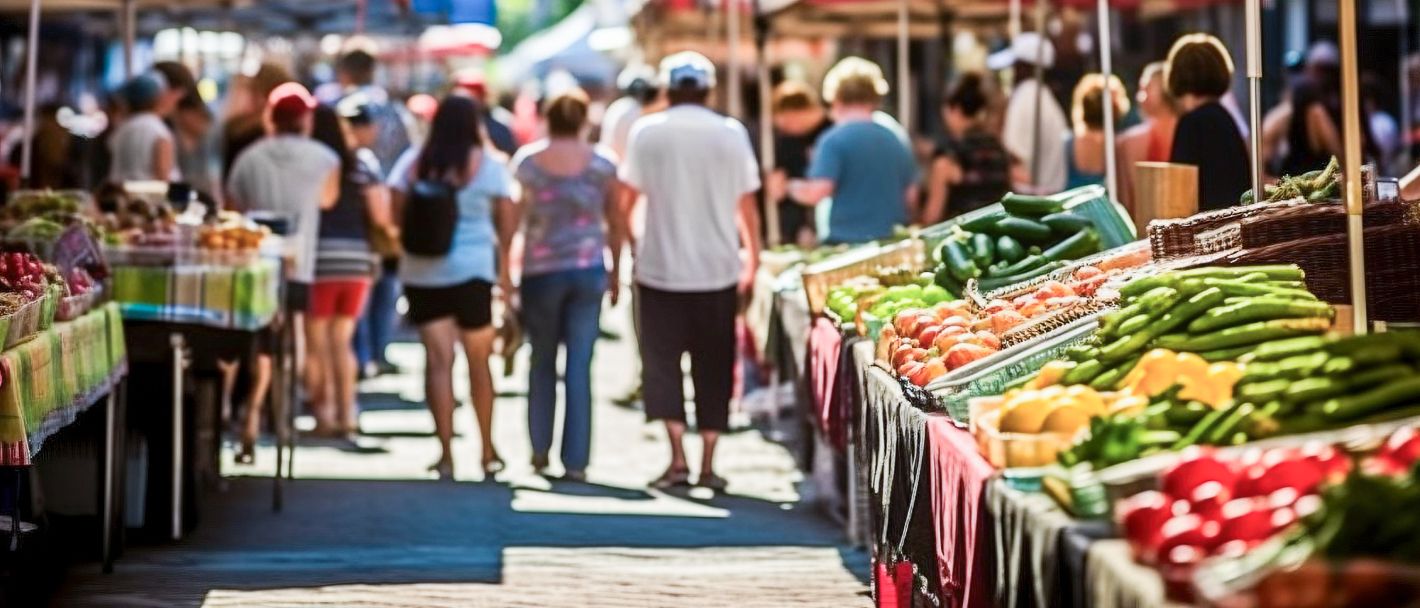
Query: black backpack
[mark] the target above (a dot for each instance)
(430, 215)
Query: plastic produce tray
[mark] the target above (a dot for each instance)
(989, 376)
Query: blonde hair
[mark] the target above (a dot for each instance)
(1088, 106)
(855, 81)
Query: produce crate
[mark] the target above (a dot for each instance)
(1112, 221)
(821, 277)
(73, 307)
(989, 376)
(24, 323)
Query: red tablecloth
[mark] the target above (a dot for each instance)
(825, 352)
(958, 474)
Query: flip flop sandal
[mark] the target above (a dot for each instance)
(672, 478)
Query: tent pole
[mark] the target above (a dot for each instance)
(1111, 172)
(31, 49)
(734, 102)
(767, 162)
(1254, 84)
(129, 17)
(904, 70)
(1351, 133)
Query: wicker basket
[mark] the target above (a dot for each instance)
(1179, 237)
(821, 277)
(25, 322)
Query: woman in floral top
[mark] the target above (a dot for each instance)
(571, 229)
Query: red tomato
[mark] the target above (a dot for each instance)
(928, 336)
(1246, 519)
(1208, 498)
(1195, 467)
(1142, 517)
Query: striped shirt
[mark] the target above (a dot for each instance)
(343, 250)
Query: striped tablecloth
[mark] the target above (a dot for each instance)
(228, 297)
(47, 381)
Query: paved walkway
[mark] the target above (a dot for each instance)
(367, 527)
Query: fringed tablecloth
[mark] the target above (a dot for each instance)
(48, 380)
(958, 475)
(229, 297)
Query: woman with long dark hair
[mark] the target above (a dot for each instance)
(344, 268)
(450, 295)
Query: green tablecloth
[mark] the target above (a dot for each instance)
(48, 380)
(230, 297)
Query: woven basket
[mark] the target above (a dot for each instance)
(1179, 237)
(821, 277)
(1317, 220)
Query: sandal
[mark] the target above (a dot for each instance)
(492, 467)
(712, 481)
(246, 452)
(444, 469)
(672, 478)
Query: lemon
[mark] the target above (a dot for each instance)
(1027, 417)
(1067, 420)
(1086, 398)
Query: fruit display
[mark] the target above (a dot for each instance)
(1313, 186)
(922, 345)
(886, 293)
(42, 203)
(1031, 237)
(142, 223)
(22, 274)
(1030, 426)
(233, 234)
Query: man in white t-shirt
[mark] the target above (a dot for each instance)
(697, 258)
(1035, 125)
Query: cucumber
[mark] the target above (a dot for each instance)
(1277, 350)
(1239, 288)
(994, 283)
(1141, 286)
(1110, 379)
(1251, 333)
(1225, 427)
(1124, 346)
(1081, 352)
(1314, 389)
(1200, 430)
(1188, 310)
(983, 249)
(958, 261)
(1277, 272)
(1065, 223)
(1079, 245)
(1025, 264)
(1379, 375)
(1159, 300)
(1109, 324)
(1024, 230)
(1030, 206)
(1135, 324)
(1258, 310)
(1186, 415)
(1262, 392)
(1227, 354)
(944, 279)
(1009, 249)
(1082, 373)
(1401, 392)
(985, 222)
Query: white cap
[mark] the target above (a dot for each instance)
(688, 66)
(1324, 52)
(1027, 47)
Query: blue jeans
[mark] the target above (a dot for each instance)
(376, 327)
(562, 308)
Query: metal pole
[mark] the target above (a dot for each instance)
(111, 462)
(904, 70)
(1254, 85)
(178, 347)
(31, 50)
(1407, 119)
(130, 16)
(734, 102)
(1111, 173)
(1351, 132)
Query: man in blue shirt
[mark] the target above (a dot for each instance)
(864, 163)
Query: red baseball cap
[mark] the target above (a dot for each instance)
(473, 81)
(290, 98)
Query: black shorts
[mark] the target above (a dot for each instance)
(470, 304)
(298, 300)
(702, 324)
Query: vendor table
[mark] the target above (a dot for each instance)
(48, 381)
(174, 310)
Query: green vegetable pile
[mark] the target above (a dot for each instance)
(1368, 515)
(890, 291)
(1312, 384)
(1219, 313)
(1120, 438)
(1030, 237)
(1313, 186)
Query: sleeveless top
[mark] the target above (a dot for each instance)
(563, 214)
(1074, 176)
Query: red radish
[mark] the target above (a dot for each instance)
(1282, 519)
(1208, 498)
(1283, 497)
(1189, 530)
(1195, 467)
(1302, 475)
(1247, 481)
(1142, 518)
(1246, 519)
(1403, 447)
(1333, 463)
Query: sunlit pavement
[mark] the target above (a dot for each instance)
(367, 525)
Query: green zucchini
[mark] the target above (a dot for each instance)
(1401, 392)
(1251, 333)
(1314, 389)
(1135, 324)
(1083, 373)
(1024, 230)
(1111, 379)
(1186, 415)
(1141, 286)
(1263, 392)
(1259, 310)
(1200, 430)
(983, 249)
(985, 222)
(1276, 350)
(1009, 249)
(1159, 299)
(1030, 206)
(1083, 243)
(1028, 263)
(1109, 324)
(958, 261)
(1227, 425)
(1186, 311)
(1124, 346)
(944, 279)
(1239, 288)
(1277, 272)
(1379, 375)
(1227, 354)
(994, 283)
(1065, 223)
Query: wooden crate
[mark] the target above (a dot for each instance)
(821, 277)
